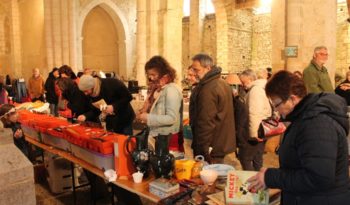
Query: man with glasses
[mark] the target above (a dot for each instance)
(316, 76)
(212, 116)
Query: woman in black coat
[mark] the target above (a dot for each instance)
(51, 96)
(313, 154)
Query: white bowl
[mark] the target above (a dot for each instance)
(208, 176)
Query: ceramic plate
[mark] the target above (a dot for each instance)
(222, 169)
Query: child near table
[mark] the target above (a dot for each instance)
(9, 119)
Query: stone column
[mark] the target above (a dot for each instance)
(221, 34)
(16, 62)
(310, 24)
(72, 19)
(141, 39)
(56, 32)
(60, 33)
(172, 36)
(278, 34)
(153, 28)
(48, 32)
(65, 31)
(197, 16)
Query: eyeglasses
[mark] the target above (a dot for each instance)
(323, 54)
(275, 106)
(278, 104)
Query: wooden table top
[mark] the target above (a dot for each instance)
(140, 189)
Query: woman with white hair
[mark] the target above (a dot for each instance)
(251, 150)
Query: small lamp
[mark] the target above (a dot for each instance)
(233, 79)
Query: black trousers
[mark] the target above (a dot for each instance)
(251, 156)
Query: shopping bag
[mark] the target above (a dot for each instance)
(270, 127)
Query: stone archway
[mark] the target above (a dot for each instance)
(123, 33)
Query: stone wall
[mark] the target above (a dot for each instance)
(261, 41)
(240, 40)
(209, 36)
(208, 44)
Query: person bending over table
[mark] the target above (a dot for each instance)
(118, 114)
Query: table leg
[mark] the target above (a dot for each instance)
(73, 184)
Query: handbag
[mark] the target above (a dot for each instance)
(270, 127)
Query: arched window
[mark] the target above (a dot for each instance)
(208, 7)
(265, 7)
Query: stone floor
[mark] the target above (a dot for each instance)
(45, 197)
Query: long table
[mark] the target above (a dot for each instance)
(140, 189)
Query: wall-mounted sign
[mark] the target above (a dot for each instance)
(291, 51)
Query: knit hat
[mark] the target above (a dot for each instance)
(86, 82)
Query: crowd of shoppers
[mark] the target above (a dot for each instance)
(313, 157)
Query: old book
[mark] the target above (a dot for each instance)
(101, 104)
(236, 191)
(163, 187)
(217, 198)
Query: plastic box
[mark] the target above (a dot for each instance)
(56, 142)
(101, 161)
(31, 132)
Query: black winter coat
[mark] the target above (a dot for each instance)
(314, 166)
(115, 93)
(78, 102)
(51, 96)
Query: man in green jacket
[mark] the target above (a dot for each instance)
(316, 76)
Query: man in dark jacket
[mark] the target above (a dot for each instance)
(78, 103)
(118, 111)
(213, 124)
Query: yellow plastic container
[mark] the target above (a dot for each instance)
(183, 168)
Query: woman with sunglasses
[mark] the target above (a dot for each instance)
(313, 154)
